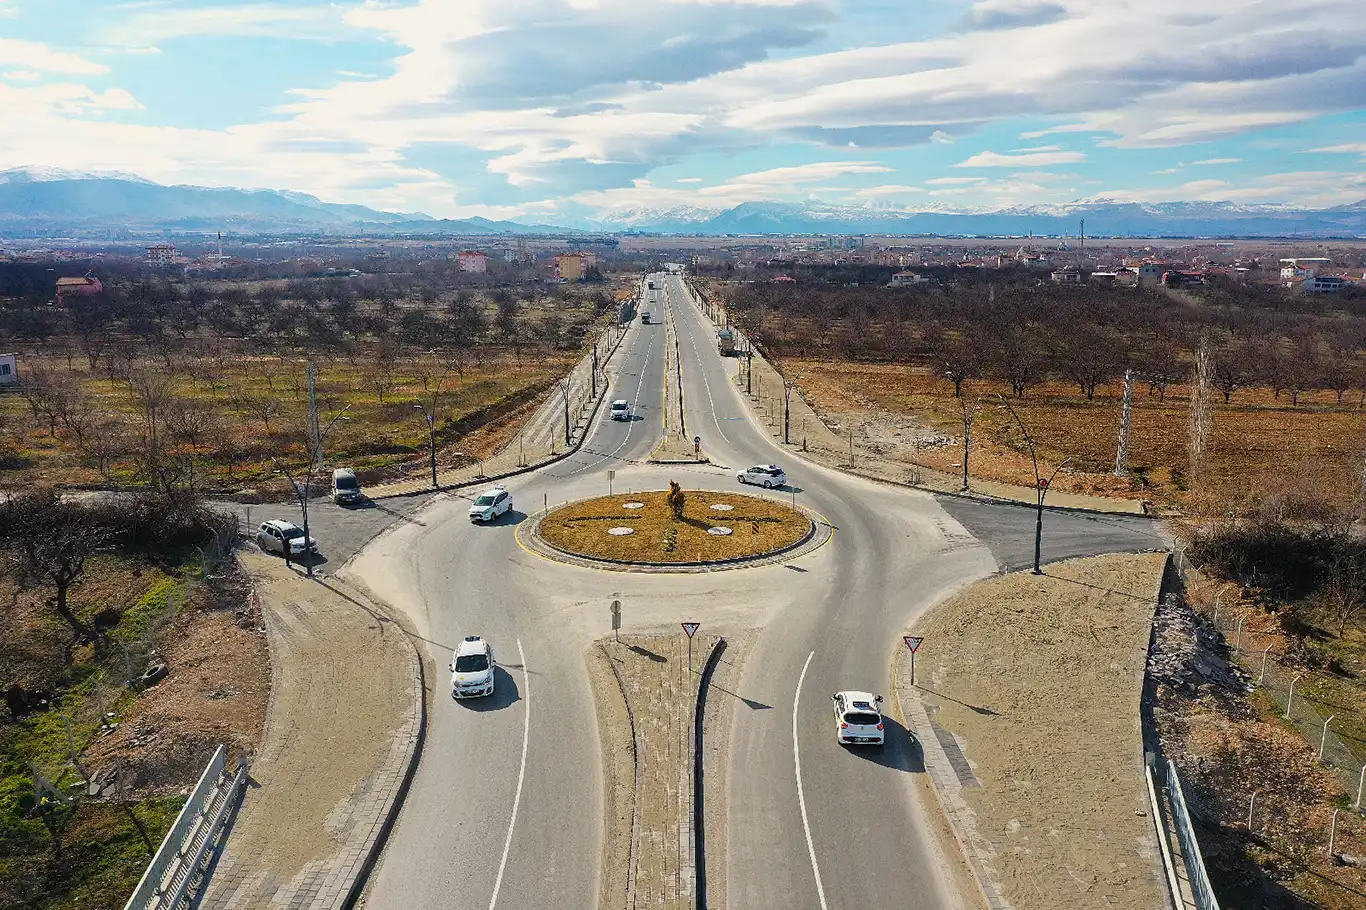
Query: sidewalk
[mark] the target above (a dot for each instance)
(540, 442)
(816, 441)
(342, 729)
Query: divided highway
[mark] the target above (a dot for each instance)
(505, 810)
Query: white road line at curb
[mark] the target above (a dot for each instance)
(801, 796)
(692, 342)
(521, 775)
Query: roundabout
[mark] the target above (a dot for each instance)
(649, 531)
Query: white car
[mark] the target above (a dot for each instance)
(491, 504)
(768, 476)
(275, 535)
(858, 718)
(620, 410)
(472, 668)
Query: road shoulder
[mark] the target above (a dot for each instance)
(342, 729)
(1027, 710)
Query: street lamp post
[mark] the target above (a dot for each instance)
(594, 375)
(1041, 485)
(787, 413)
(431, 435)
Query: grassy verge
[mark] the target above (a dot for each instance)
(657, 536)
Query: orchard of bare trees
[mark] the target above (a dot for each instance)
(1022, 332)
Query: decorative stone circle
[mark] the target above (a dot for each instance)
(723, 507)
(621, 532)
(720, 532)
(633, 505)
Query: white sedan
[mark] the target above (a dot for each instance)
(769, 476)
(857, 718)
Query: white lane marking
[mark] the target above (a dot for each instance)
(801, 795)
(521, 775)
(631, 425)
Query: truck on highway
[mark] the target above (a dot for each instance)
(725, 342)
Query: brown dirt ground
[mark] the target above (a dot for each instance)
(1227, 745)
(582, 527)
(215, 693)
(1260, 442)
(1040, 677)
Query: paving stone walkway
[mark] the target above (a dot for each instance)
(342, 730)
(661, 693)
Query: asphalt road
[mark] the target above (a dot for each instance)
(506, 808)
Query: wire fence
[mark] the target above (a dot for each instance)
(1303, 695)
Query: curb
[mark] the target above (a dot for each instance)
(633, 854)
(698, 802)
(413, 759)
(554, 459)
(987, 888)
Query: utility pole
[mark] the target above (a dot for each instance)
(749, 366)
(594, 375)
(1125, 424)
(314, 434)
(787, 413)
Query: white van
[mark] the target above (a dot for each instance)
(345, 487)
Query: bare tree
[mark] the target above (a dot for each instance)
(1344, 596)
(1232, 369)
(384, 366)
(1159, 365)
(957, 357)
(188, 420)
(49, 540)
(107, 441)
(79, 413)
(1090, 357)
(1201, 423)
(153, 393)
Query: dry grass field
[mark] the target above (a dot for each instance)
(226, 417)
(657, 537)
(1261, 444)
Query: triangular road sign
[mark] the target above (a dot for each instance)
(691, 628)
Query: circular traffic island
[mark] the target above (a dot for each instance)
(643, 529)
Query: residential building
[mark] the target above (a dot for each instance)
(473, 261)
(1322, 284)
(570, 267)
(1067, 275)
(907, 279)
(161, 254)
(9, 369)
(83, 287)
(1152, 272)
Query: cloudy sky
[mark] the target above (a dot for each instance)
(532, 108)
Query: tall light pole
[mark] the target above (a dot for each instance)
(431, 434)
(787, 413)
(1041, 485)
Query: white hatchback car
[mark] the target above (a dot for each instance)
(491, 504)
(620, 410)
(857, 718)
(472, 668)
(764, 475)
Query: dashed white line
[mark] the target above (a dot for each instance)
(631, 426)
(711, 402)
(801, 795)
(521, 776)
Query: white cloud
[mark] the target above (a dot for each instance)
(1302, 188)
(35, 55)
(688, 180)
(1350, 148)
(891, 189)
(955, 181)
(1164, 171)
(1217, 161)
(1028, 159)
(22, 76)
(159, 23)
(811, 173)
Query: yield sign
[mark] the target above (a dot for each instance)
(691, 628)
(912, 642)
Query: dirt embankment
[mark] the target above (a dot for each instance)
(1037, 681)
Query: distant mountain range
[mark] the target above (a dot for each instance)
(1104, 217)
(51, 202)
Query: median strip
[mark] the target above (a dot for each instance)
(652, 689)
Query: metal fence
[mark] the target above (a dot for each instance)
(1253, 638)
(177, 868)
(1190, 844)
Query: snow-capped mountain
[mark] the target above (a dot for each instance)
(51, 174)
